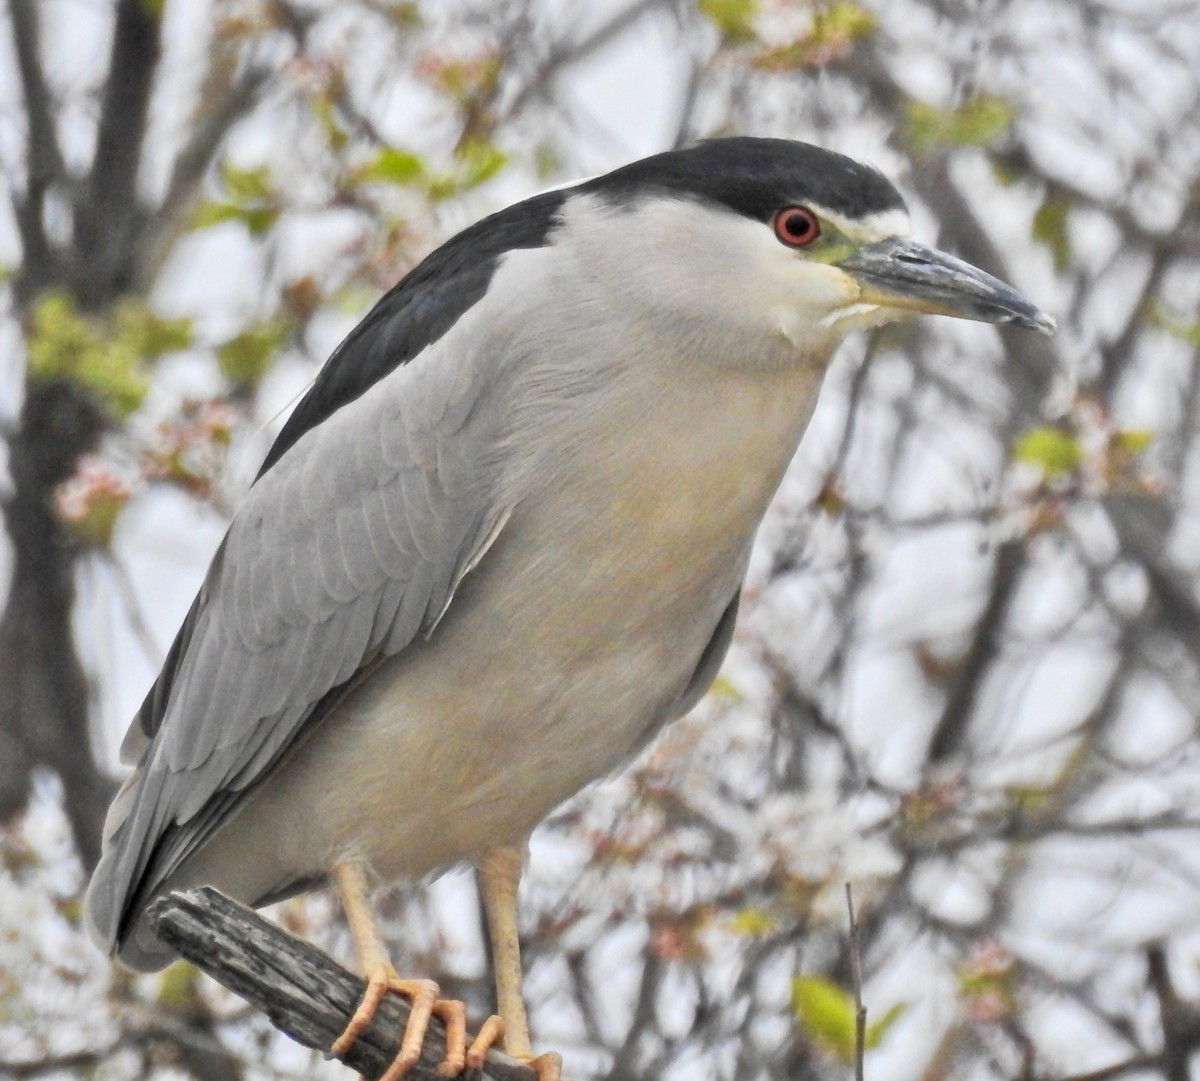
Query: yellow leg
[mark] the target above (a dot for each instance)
(381, 977)
(499, 873)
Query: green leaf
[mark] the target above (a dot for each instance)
(1004, 174)
(178, 986)
(835, 30)
(733, 18)
(477, 162)
(251, 200)
(326, 116)
(1133, 440)
(978, 121)
(258, 219)
(394, 165)
(1050, 228)
(842, 21)
(404, 14)
(57, 336)
(245, 358)
(752, 922)
(826, 1014)
(1032, 801)
(480, 161)
(725, 690)
(96, 526)
(1158, 314)
(1056, 452)
(146, 333)
(876, 1030)
(106, 355)
(468, 79)
(213, 213)
(353, 298)
(245, 184)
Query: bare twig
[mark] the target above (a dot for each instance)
(860, 1011)
(980, 660)
(1180, 1021)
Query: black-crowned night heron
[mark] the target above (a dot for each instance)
(500, 542)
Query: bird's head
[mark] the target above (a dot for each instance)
(779, 236)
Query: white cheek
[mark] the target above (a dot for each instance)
(814, 296)
(682, 259)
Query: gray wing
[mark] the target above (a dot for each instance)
(343, 553)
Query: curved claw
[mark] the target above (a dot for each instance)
(547, 1066)
(423, 994)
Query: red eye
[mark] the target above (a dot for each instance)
(797, 226)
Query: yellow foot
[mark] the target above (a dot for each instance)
(423, 994)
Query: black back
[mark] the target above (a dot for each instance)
(752, 177)
(417, 311)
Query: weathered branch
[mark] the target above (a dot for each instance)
(303, 993)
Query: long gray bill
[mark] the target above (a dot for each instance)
(902, 273)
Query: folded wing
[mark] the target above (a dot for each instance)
(345, 551)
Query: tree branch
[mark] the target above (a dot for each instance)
(43, 689)
(107, 219)
(981, 657)
(1181, 1031)
(1031, 359)
(224, 99)
(303, 993)
(43, 158)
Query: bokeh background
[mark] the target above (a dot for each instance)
(967, 675)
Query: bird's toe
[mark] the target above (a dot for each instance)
(490, 1033)
(547, 1066)
(423, 994)
(380, 979)
(454, 1016)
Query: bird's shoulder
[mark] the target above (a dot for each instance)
(417, 311)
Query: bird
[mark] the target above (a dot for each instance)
(501, 541)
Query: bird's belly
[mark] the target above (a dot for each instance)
(568, 645)
(469, 740)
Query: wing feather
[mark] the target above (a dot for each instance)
(345, 551)
(335, 583)
(386, 613)
(394, 559)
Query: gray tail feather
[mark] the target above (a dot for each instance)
(118, 892)
(113, 924)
